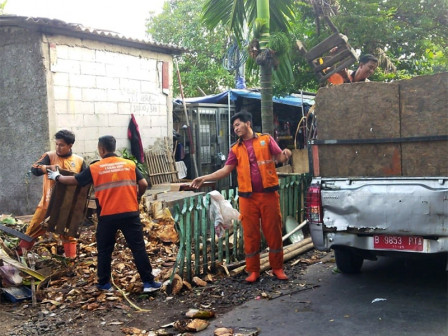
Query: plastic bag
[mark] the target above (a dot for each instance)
(10, 275)
(221, 212)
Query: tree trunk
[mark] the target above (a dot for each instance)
(267, 110)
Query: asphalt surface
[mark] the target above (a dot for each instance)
(392, 296)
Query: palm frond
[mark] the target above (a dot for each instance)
(281, 13)
(284, 72)
(230, 13)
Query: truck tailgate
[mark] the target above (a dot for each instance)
(402, 206)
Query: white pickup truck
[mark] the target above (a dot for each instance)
(380, 170)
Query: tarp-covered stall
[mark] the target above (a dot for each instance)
(209, 119)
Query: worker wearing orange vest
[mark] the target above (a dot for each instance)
(62, 158)
(118, 185)
(367, 66)
(254, 157)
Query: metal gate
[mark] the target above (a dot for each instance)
(210, 134)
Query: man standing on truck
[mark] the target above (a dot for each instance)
(367, 66)
(118, 187)
(62, 157)
(254, 156)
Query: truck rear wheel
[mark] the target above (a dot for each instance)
(347, 260)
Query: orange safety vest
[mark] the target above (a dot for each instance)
(114, 182)
(265, 162)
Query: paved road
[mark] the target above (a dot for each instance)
(391, 297)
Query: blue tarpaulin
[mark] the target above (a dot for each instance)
(222, 98)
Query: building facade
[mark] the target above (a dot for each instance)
(55, 75)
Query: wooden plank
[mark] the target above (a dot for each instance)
(204, 233)
(197, 236)
(284, 169)
(368, 111)
(360, 160)
(325, 46)
(424, 102)
(425, 158)
(330, 61)
(24, 218)
(300, 162)
(67, 208)
(342, 65)
(78, 211)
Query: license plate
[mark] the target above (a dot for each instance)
(399, 243)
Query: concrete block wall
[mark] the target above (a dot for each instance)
(95, 87)
(24, 119)
(90, 87)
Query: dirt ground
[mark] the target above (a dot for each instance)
(120, 318)
(68, 302)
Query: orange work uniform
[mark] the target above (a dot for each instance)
(259, 205)
(73, 163)
(112, 174)
(115, 181)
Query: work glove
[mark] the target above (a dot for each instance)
(53, 175)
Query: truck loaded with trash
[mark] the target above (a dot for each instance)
(379, 159)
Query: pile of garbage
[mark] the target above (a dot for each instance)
(46, 276)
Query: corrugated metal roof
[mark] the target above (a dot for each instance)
(54, 26)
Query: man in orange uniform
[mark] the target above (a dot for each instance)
(62, 158)
(367, 66)
(118, 185)
(254, 156)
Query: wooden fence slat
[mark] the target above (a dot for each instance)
(178, 219)
(197, 235)
(220, 249)
(290, 196)
(227, 247)
(204, 222)
(212, 246)
(184, 233)
(197, 231)
(188, 241)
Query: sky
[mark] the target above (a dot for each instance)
(127, 17)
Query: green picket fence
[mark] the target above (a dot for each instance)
(200, 250)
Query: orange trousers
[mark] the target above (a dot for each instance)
(262, 208)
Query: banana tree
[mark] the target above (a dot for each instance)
(265, 19)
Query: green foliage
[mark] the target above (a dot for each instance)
(302, 28)
(413, 33)
(2, 6)
(201, 67)
(279, 42)
(125, 154)
(8, 221)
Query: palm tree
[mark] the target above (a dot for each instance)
(263, 17)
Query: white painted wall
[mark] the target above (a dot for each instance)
(95, 87)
